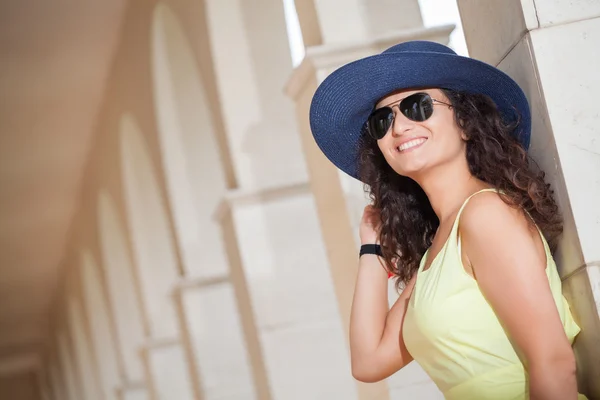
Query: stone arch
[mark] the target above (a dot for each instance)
(82, 349)
(65, 358)
(190, 153)
(121, 287)
(152, 239)
(101, 324)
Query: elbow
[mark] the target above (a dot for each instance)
(559, 364)
(363, 372)
(364, 376)
(567, 365)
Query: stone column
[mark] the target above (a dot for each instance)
(84, 355)
(100, 325)
(132, 391)
(345, 32)
(219, 333)
(549, 48)
(351, 21)
(165, 366)
(274, 240)
(252, 62)
(275, 251)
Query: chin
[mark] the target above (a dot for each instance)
(411, 171)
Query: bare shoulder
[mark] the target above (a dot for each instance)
(487, 212)
(495, 234)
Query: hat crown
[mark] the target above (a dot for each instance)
(344, 100)
(420, 46)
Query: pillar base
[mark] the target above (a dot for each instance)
(167, 371)
(282, 259)
(132, 391)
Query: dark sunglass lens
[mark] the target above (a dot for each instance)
(379, 122)
(417, 107)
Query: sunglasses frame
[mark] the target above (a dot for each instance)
(398, 103)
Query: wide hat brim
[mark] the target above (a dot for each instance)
(345, 99)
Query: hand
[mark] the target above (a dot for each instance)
(369, 226)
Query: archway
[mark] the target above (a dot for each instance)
(100, 323)
(121, 287)
(195, 179)
(153, 248)
(82, 349)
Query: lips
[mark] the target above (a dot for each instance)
(410, 144)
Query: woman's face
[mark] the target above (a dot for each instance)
(412, 148)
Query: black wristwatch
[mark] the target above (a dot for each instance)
(370, 249)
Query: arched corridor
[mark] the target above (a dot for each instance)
(172, 231)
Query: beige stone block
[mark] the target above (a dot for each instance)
(218, 344)
(100, 324)
(84, 356)
(132, 391)
(492, 27)
(136, 394)
(530, 14)
(284, 261)
(290, 285)
(554, 12)
(259, 119)
(168, 370)
(520, 64)
(568, 70)
(309, 361)
(594, 277)
(383, 16)
(583, 183)
(348, 21)
(356, 200)
(582, 291)
(569, 80)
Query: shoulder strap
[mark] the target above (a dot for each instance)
(467, 201)
(454, 232)
(456, 238)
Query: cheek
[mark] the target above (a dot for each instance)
(450, 134)
(386, 155)
(384, 145)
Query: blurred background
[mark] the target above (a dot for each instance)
(168, 228)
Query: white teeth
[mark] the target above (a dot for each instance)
(410, 144)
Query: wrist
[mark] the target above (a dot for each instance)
(370, 248)
(369, 240)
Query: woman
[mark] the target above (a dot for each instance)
(459, 216)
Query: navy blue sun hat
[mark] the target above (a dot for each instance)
(345, 99)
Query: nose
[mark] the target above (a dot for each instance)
(401, 124)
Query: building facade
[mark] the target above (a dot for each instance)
(213, 253)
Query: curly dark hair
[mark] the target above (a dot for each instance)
(408, 222)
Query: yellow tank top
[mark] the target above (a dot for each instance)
(453, 333)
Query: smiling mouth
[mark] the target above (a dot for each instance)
(410, 145)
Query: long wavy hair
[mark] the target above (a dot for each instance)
(408, 222)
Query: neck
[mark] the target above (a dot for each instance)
(448, 186)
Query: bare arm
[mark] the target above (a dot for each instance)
(509, 265)
(377, 349)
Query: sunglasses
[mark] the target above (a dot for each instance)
(416, 107)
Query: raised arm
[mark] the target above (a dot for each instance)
(377, 349)
(508, 260)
